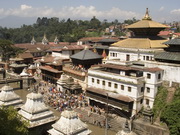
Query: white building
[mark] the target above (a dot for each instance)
(128, 87)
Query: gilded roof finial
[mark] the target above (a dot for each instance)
(147, 17)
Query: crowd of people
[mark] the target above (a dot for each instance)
(58, 99)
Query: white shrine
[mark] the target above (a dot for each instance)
(69, 124)
(9, 98)
(35, 111)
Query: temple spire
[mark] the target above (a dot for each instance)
(33, 41)
(147, 17)
(56, 40)
(45, 40)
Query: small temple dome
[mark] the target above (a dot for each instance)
(9, 98)
(6, 88)
(69, 114)
(69, 124)
(45, 40)
(33, 41)
(63, 78)
(35, 111)
(34, 96)
(56, 40)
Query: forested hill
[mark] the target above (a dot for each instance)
(66, 30)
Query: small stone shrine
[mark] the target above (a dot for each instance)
(35, 111)
(148, 114)
(69, 124)
(126, 130)
(9, 98)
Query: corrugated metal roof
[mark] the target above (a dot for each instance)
(174, 56)
(175, 41)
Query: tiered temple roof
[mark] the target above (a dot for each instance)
(146, 34)
(35, 111)
(69, 124)
(9, 98)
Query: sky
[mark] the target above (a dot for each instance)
(15, 13)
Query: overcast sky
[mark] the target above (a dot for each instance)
(28, 10)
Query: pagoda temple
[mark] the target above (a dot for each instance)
(36, 112)
(143, 45)
(86, 58)
(9, 98)
(69, 124)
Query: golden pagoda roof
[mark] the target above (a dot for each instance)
(146, 22)
(140, 43)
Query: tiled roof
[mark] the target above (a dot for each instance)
(143, 43)
(146, 24)
(97, 39)
(126, 68)
(120, 67)
(49, 68)
(25, 55)
(155, 69)
(174, 56)
(51, 60)
(110, 94)
(175, 41)
(86, 54)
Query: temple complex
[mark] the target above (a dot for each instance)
(69, 124)
(9, 98)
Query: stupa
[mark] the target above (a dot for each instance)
(9, 98)
(35, 111)
(126, 130)
(69, 124)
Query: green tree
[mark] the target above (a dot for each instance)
(7, 49)
(170, 115)
(10, 123)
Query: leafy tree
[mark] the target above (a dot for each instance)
(160, 101)
(171, 113)
(10, 123)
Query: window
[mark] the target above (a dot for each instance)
(147, 57)
(109, 84)
(144, 58)
(122, 87)
(159, 76)
(149, 76)
(148, 90)
(142, 89)
(97, 81)
(92, 80)
(103, 82)
(129, 89)
(115, 85)
(141, 101)
(127, 57)
(147, 101)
